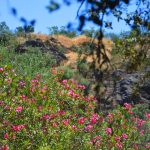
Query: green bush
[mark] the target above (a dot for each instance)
(29, 63)
(68, 72)
(49, 113)
(133, 47)
(62, 31)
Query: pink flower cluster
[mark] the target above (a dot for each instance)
(73, 94)
(81, 87)
(140, 122)
(19, 109)
(21, 84)
(148, 116)
(66, 122)
(82, 120)
(127, 106)
(1, 69)
(88, 128)
(6, 136)
(108, 131)
(5, 147)
(17, 128)
(94, 118)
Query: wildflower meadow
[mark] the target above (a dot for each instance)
(51, 114)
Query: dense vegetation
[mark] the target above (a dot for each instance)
(42, 107)
(53, 114)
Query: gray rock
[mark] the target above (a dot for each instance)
(126, 88)
(145, 91)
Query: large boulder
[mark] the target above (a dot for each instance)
(22, 48)
(129, 88)
(35, 43)
(145, 91)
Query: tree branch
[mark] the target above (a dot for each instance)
(80, 8)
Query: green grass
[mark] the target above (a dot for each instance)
(29, 63)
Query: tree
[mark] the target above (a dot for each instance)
(5, 34)
(29, 29)
(23, 31)
(97, 10)
(90, 32)
(53, 30)
(62, 30)
(20, 31)
(4, 27)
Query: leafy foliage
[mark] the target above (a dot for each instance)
(134, 48)
(5, 34)
(29, 63)
(62, 31)
(21, 31)
(44, 113)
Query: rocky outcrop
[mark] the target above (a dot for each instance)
(129, 88)
(145, 91)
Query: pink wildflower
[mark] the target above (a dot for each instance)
(119, 145)
(124, 136)
(74, 127)
(140, 122)
(147, 146)
(6, 136)
(108, 131)
(6, 73)
(127, 106)
(110, 117)
(64, 81)
(21, 84)
(71, 92)
(46, 117)
(96, 138)
(81, 87)
(148, 116)
(101, 119)
(81, 120)
(19, 109)
(89, 128)
(98, 143)
(54, 124)
(94, 118)
(1, 69)
(136, 146)
(18, 128)
(66, 122)
(142, 132)
(61, 112)
(23, 97)
(5, 147)
(40, 108)
(117, 138)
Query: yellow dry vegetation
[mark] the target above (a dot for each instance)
(77, 41)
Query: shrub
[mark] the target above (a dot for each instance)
(29, 63)
(54, 114)
(68, 72)
(133, 48)
(83, 67)
(62, 31)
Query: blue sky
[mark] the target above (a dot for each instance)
(36, 9)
